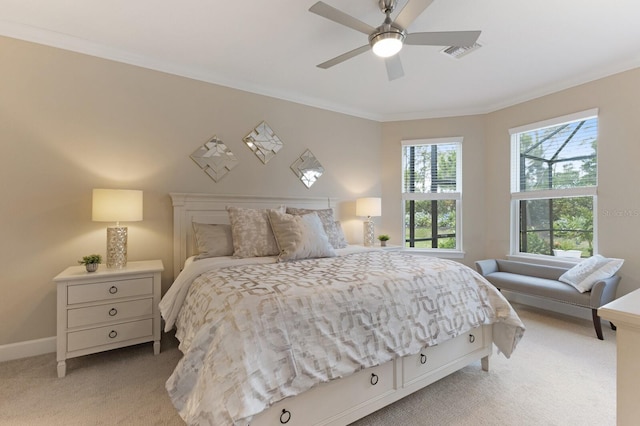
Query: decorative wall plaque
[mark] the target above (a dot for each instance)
(215, 158)
(307, 168)
(264, 143)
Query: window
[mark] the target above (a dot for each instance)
(432, 193)
(554, 186)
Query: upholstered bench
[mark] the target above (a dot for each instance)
(544, 281)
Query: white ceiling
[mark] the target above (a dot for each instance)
(530, 48)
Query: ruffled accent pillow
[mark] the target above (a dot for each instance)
(331, 227)
(251, 233)
(588, 272)
(300, 237)
(212, 240)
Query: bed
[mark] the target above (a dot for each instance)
(319, 332)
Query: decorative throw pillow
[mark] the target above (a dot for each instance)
(300, 237)
(331, 227)
(213, 240)
(251, 232)
(586, 273)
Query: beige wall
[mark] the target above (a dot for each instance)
(618, 100)
(71, 122)
(486, 168)
(471, 128)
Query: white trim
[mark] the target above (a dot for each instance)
(576, 116)
(440, 253)
(432, 141)
(419, 196)
(544, 194)
(27, 348)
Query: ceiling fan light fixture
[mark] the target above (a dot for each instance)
(387, 44)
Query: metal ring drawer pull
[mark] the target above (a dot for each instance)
(472, 338)
(285, 416)
(113, 334)
(113, 289)
(423, 359)
(374, 379)
(113, 312)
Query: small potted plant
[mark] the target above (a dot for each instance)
(91, 262)
(383, 240)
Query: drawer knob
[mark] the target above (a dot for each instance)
(113, 334)
(113, 312)
(285, 416)
(374, 379)
(423, 359)
(113, 289)
(472, 338)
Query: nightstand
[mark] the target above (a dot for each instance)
(107, 309)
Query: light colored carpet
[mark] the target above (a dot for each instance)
(560, 374)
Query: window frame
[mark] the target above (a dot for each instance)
(516, 196)
(453, 196)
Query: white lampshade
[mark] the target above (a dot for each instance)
(369, 206)
(116, 205)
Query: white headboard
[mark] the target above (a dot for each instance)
(210, 208)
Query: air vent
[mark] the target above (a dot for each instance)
(457, 52)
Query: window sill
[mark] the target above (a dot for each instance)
(541, 259)
(444, 254)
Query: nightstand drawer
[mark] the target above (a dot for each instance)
(109, 334)
(118, 311)
(82, 293)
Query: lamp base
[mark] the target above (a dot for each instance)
(369, 233)
(116, 247)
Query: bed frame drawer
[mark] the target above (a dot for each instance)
(109, 290)
(79, 340)
(431, 358)
(328, 400)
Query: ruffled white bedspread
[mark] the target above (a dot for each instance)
(254, 331)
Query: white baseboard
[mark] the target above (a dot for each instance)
(27, 349)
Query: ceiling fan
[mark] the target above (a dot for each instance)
(387, 39)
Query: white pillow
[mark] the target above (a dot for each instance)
(213, 240)
(300, 237)
(331, 227)
(586, 273)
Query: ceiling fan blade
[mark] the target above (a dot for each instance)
(443, 38)
(411, 11)
(335, 15)
(344, 57)
(394, 67)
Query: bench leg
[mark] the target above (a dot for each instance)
(597, 324)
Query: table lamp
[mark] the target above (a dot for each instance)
(369, 207)
(116, 205)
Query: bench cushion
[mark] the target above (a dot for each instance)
(541, 287)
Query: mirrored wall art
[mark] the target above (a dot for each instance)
(263, 142)
(307, 168)
(215, 158)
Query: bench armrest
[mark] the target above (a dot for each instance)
(604, 291)
(485, 267)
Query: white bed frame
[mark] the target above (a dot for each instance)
(346, 400)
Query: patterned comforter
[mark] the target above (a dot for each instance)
(257, 332)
